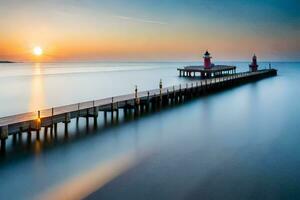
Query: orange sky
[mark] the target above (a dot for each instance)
(75, 32)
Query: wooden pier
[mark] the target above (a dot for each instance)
(32, 122)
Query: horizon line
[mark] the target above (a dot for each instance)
(143, 61)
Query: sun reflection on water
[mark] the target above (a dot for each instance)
(90, 180)
(37, 96)
(37, 147)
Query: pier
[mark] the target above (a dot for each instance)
(48, 119)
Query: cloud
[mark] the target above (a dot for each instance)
(140, 20)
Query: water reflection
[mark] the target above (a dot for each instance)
(37, 147)
(87, 182)
(37, 95)
(201, 122)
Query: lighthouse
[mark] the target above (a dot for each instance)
(207, 62)
(253, 66)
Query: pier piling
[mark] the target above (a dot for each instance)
(38, 134)
(3, 146)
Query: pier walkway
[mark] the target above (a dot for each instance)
(138, 102)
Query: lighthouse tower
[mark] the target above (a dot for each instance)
(253, 66)
(207, 62)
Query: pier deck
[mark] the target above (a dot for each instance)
(49, 118)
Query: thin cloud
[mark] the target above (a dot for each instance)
(140, 20)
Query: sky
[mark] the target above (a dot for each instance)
(139, 30)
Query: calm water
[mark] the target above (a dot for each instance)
(242, 143)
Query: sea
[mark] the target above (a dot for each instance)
(240, 143)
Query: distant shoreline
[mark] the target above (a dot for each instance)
(5, 61)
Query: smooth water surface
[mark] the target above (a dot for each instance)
(241, 143)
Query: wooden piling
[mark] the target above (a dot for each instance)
(46, 133)
(55, 130)
(117, 114)
(29, 136)
(3, 146)
(66, 129)
(14, 139)
(87, 121)
(38, 134)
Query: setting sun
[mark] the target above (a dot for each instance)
(38, 51)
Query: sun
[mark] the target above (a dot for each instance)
(38, 51)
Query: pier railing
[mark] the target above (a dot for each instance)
(49, 118)
(19, 118)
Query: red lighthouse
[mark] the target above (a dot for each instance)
(207, 62)
(253, 66)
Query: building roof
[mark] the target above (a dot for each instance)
(207, 54)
